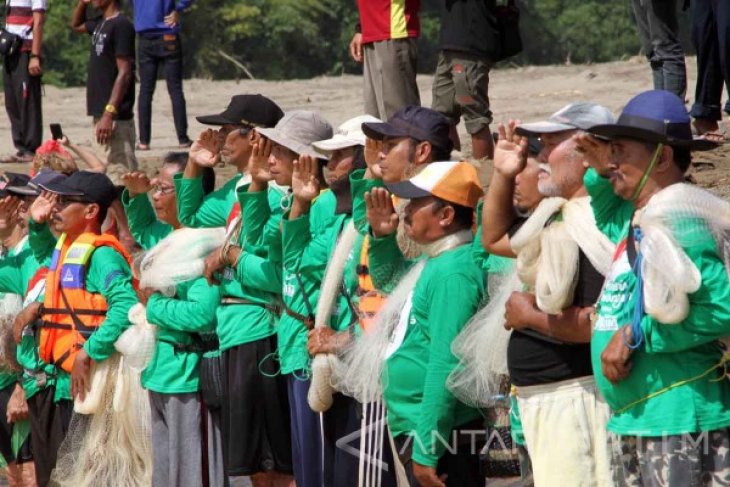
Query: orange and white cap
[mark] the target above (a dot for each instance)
(455, 182)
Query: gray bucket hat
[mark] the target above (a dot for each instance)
(298, 130)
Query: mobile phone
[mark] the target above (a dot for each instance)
(56, 131)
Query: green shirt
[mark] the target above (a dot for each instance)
(192, 310)
(146, 229)
(670, 353)
(446, 296)
(307, 244)
(237, 323)
(16, 271)
(194, 304)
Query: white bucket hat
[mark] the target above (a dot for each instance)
(349, 134)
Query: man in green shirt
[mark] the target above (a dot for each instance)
(428, 423)
(658, 362)
(247, 315)
(77, 207)
(185, 330)
(263, 203)
(14, 428)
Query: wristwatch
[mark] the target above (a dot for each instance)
(110, 109)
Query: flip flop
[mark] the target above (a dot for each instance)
(143, 147)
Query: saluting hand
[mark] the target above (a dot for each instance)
(596, 152)
(373, 148)
(205, 151)
(510, 153)
(258, 161)
(380, 212)
(136, 183)
(304, 184)
(42, 207)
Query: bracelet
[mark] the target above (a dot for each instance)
(35, 56)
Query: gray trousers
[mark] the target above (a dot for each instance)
(659, 33)
(216, 468)
(176, 440)
(389, 73)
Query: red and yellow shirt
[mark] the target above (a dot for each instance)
(382, 20)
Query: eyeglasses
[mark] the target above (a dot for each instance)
(65, 201)
(163, 190)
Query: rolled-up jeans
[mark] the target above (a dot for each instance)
(659, 33)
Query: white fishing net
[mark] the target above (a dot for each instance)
(10, 306)
(109, 438)
(548, 254)
(321, 389)
(482, 348)
(681, 215)
(359, 371)
(179, 257)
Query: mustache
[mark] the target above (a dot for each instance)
(545, 167)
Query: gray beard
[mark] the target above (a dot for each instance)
(410, 249)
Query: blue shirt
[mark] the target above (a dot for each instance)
(149, 15)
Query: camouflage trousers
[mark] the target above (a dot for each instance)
(688, 460)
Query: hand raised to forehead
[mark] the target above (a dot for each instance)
(380, 212)
(258, 162)
(305, 185)
(136, 183)
(9, 206)
(373, 148)
(42, 207)
(205, 151)
(510, 153)
(596, 152)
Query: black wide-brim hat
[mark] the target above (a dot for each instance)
(655, 116)
(250, 110)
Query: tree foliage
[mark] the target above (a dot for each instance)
(285, 39)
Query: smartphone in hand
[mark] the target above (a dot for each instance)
(56, 131)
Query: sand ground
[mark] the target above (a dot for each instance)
(527, 93)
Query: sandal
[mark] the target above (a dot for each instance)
(143, 147)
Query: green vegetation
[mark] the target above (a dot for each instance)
(283, 39)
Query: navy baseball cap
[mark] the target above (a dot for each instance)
(419, 123)
(8, 179)
(251, 110)
(89, 187)
(32, 187)
(656, 116)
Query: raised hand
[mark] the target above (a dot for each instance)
(510, 153)
(380, 212)
(304, 184)
(596, 152)
(258, 162)
(42, 207)
(136, 183)
(372, 158)
(9, 207)
(205, 151)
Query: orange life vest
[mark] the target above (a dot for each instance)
(370, 300)
(71, 313)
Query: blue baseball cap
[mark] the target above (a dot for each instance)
(32, 186)
(419, 123)
(656, 116)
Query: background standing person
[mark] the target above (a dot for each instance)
(22, 77)
(386, 43)
(468, 48)
(157, 23)
(711, 38)
(659, 33)
(110, 85)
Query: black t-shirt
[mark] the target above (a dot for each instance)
(110, 39)
(469, 26)
(534, 360)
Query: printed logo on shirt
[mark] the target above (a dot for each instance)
(288, 290)
(614, 304)
(99, 41)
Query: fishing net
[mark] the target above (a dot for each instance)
(10, 306)
(678, 217)
(320, 389)
(482, 348)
